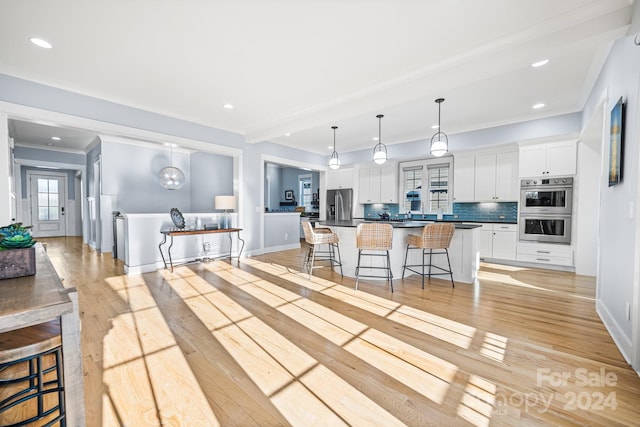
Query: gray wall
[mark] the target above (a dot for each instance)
(619, 245)
(211, 175)
(130, 172)
(71, 180)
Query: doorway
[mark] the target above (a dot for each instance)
(47, 201)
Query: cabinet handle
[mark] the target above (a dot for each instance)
(543, 259)
(543, 252)
(503, 227)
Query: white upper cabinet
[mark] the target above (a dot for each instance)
(341, 178)
(463, 179)
(550, 159)
(491, 177)
(378, 184)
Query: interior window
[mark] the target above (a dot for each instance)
(438, 187)
(430, 194)
(306, 194)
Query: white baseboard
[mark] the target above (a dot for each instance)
(281, 248)
(622, 341)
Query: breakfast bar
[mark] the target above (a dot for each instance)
(462, 251)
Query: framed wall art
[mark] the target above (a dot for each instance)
(616, 143)
(288, 195)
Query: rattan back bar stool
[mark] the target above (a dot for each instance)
(315, 239)
(434, 237)
(31, 376)
(374, 239)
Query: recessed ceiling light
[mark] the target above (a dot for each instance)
(375, 138)
(435, 127)
(228, 106)
(41, 43)
(540, 63)
(55, 138)
(330, 147)
(538, 105)
(287, 134)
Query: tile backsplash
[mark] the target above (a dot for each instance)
(486, 211)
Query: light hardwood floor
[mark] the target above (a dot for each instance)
(257, 344)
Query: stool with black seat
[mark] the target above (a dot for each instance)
(434, 236)
(316, 237)
(31, 376)
(374, 239)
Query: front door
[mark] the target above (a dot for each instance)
(48, 197)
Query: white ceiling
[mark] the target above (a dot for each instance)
(299, 67)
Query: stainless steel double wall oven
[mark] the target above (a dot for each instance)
(545, 209)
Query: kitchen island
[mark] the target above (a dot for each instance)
(463, 251)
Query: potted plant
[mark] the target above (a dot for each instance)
(17, 254)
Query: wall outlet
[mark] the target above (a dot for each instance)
(627, 311)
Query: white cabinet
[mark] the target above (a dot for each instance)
(341, 178)
(496, 177)
(551, 159)
(498, 241)
(491, 177)
(463, 179)
(541, 253)
(378, 184)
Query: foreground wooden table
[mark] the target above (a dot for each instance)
(27, 301)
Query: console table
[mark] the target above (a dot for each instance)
(30, 300)
(177, 232)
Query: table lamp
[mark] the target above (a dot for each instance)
(225, 203)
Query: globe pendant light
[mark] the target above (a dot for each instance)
(439, 141)
(380, 150)
(171, 178)
(334, 162)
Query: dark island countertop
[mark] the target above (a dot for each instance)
(395, 224)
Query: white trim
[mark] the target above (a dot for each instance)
(51, 148)
(21, 112)
(622, 342)
(281, 248)
(293, 163)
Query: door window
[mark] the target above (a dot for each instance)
(48, 200)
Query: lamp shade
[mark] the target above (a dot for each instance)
(225, 202)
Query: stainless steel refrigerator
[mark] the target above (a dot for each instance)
(339, 204)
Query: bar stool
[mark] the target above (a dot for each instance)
(434, 236)
(376, 237)
(25, 376)
(315, 239)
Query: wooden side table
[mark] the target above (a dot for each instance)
(175, 232)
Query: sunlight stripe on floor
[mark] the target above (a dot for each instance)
(278, 367)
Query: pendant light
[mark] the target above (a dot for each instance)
(439, 141)
(380, 150)
(334, 162)
(171, 178)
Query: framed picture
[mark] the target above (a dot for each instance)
(288, 195)
(616, 143)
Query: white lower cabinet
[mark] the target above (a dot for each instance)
(498, 241)
(541, 253)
